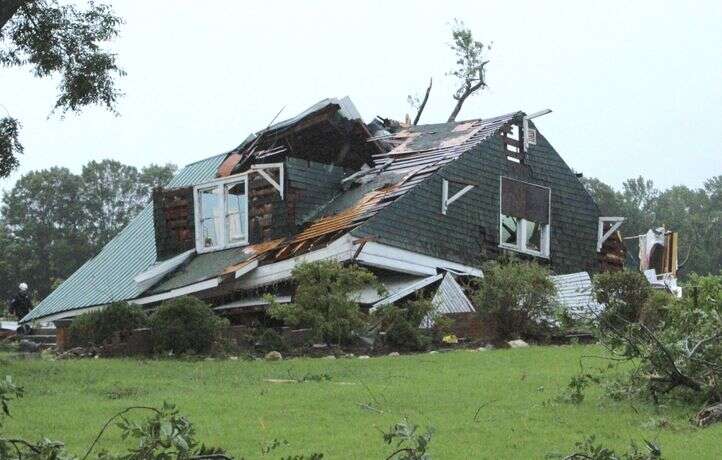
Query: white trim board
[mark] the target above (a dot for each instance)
(157, 271)
(181, 291)
(253, 302)
(401, 260)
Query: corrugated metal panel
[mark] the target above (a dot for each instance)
(450, 297)
(574, 292)
(108, 277)
(406, 291)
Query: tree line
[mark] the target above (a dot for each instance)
(695, 213)
(52, 220)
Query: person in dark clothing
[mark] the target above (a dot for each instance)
(20, 305)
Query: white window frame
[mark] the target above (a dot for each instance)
(520, 245)
(222, 184)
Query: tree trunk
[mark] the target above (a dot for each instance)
(457, 109)
(7, 10)
(423, 104)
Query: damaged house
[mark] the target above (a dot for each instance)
(419, 205)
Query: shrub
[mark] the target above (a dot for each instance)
(323, 300)
(515, 299)
(623, 293)
(185, 324)
(98, 327)
(401, 325)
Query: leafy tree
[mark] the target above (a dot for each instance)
(323, 300)
(43, 215)
(52, 220)
(58, 41)
(470, 65)
(113, 193)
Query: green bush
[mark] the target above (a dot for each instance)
(323, 300)
(515, 299)
(185, 324)
(401, 324)
(98, 327)
(623, 293)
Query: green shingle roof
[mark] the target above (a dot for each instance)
(108, 277)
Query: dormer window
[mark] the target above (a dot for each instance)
(221, 214)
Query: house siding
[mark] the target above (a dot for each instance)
(469, 233)
(311, 185)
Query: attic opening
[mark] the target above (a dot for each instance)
(331, 132)
(513, 144)
(524, 223)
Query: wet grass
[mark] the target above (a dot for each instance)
(494, 404)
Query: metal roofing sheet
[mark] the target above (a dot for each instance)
(450, 297)
(108, 277)
(574, 292)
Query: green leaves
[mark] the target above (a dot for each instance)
(8, 392)
(589, 449)
(10, 146)
(323, 300)
(410, 443)
(65, 40)
(517, 298)
(53, 220)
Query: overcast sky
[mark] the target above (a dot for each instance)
(635, 87)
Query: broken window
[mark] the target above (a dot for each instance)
(222, 214)
(524, 217)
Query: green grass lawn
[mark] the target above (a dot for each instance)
(233, 406)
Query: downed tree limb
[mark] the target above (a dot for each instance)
(708, 416)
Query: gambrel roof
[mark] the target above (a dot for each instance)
(336, 203)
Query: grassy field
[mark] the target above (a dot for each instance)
(234, 406)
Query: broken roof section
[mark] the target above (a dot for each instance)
(330, 131)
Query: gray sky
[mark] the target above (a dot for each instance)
(636, 87)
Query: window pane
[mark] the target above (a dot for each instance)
(210, 233)
(508, 230)
(533, 236)
(236, 212)
(210, 201)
